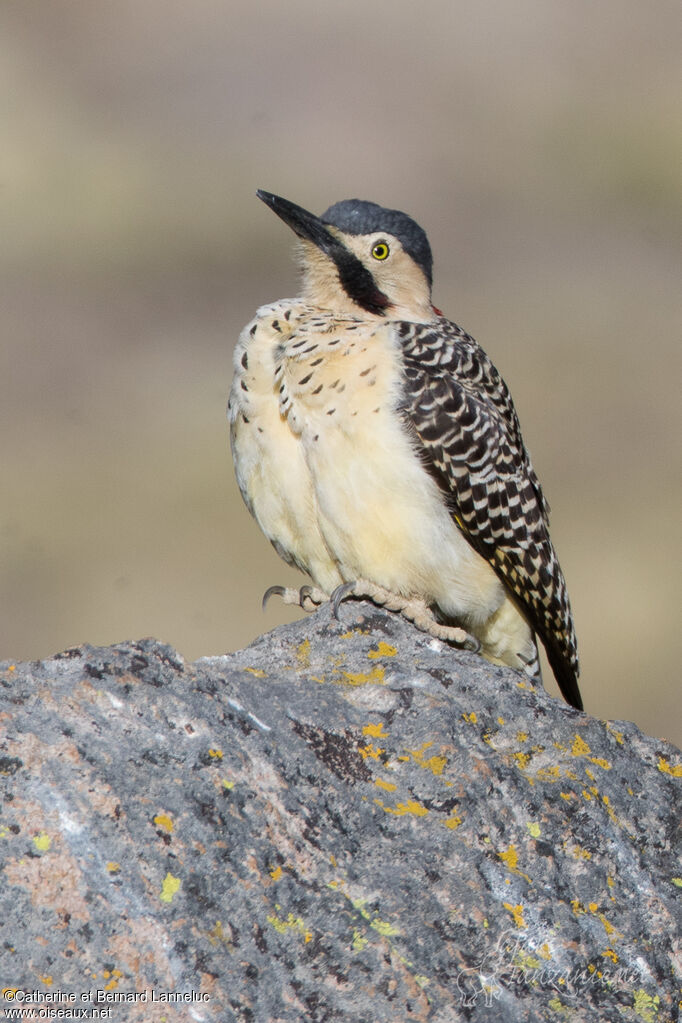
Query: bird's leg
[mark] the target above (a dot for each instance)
(414, 609)
(307, 597)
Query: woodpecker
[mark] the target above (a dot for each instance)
(380, 452)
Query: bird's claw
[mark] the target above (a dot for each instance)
(307, 597)
(340, 594)
(272, 591)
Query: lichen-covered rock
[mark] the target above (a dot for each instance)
(345, 821)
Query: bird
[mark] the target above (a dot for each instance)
(380, 452)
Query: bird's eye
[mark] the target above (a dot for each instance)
(380, 250)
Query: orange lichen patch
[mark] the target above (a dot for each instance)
(580, 747)
(276, 873)
(370, 752)
(388, 786)
(376, 731)
(215, 754)
(435, 764)
(453, 822)
(471, 718)
(522, 759)
(383, 650)
(666, 768)
(610, 954)
(516, 912)
(113, 867)
(112, 977)
(402, 809)
(47, 981)
(510, 858)
(163, 821)
(258, 672)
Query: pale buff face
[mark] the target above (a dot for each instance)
(396, 275)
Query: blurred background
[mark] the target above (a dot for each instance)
(539, 145)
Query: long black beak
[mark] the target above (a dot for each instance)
(355, 278)
(306, 225)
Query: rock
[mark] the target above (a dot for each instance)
(345, 821)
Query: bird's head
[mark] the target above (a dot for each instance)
(360, 258)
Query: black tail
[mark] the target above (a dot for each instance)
(565, 672)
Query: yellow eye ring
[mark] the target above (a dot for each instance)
(380, 250)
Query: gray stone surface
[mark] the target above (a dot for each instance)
(345, 821)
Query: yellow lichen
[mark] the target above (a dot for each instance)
(375, 730)
(666, 768)
(169, 887)
(646, 1006)
(383, 650)
(516, 912)
(402, 809)
(434, 764)
(292, 923)
(580, 747)
(376, 677)
(164, 822)
(303, 654)
(384, 928)
(370, 752)
(510, 857)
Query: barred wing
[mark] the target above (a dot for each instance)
(462, 414)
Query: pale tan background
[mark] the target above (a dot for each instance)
(538, 143)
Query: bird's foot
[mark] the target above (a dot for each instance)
(415, 610)
(307, 597)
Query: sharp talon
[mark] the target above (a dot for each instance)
(339, 595)
(272, 591)
(472, 644)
